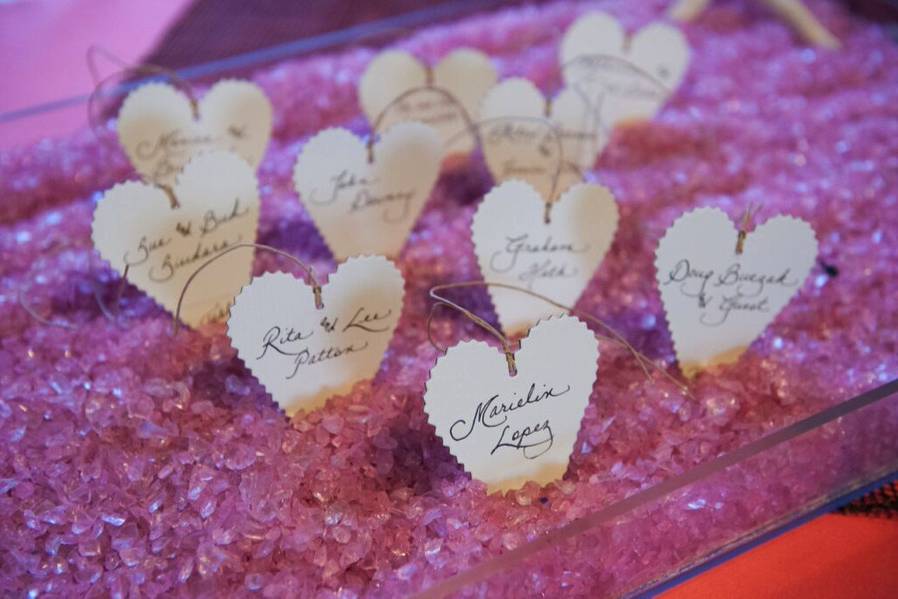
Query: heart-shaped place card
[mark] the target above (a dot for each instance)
(516, 246)
(525, 137)
(717, 300)
(396, 87)
(508, 430)
(136, 228)
(363, 207)
(304, 354)
(625, 78)
(160, 133)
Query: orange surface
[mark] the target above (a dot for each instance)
(830, 557)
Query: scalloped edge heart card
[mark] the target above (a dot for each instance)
(718, 301)
(508, 430)
(625, 77)
(364, 206)
(303, 354)
(136, 229)
(550, 145)
(160, 133)
(397, 87)
(516, 246)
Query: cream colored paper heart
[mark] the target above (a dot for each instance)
(717, 301)
(515, 246)
(508, 430)
(520, 141)
(363, 207)
(157, 128)
(625, 78)
(135, 227)
(396, 87)
(304, 355)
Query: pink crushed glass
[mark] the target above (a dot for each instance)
(137, 463)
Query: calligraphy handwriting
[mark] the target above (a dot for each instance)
(172, 264)
(341, 181)
(145, 249)
(365, 197)
(517, 246)
(740, 291)
(211, 221)
(280, 341)
(495, 413)
(431, 111)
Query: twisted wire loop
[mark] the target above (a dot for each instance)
(44, 320)
(596, 104)
(397, 31)
(111, 315)
(474, 128)
(442, 302)
(469, 127)
(125, 69)
(554, 133)
(645, 363)
(310, 273)
(747, 218)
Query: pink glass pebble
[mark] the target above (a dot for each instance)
(135, 463)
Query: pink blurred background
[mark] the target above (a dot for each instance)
(43, 44)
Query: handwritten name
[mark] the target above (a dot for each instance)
(515, 132)
(208, 230)
(278, 341)
(512, 168)
(396, 204)
(171, 264)
(171, 142)
(429, 108)
(169, 148)
(719, 294)
(536, 260)
(532, 440)
(617, 78)
(517, 246)
(294, 343)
